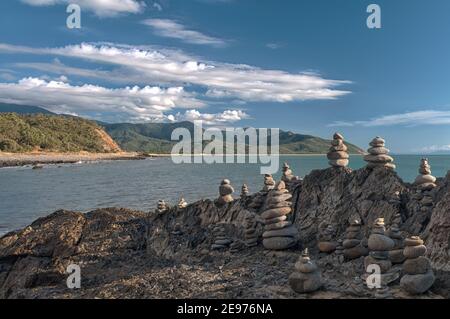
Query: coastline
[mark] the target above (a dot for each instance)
(41, 158)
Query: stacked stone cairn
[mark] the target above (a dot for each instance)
(337, 155)
(287, 176)
(244, 191)
(396, 254)
(269, 183)
(182, 203)
(236, 246)
(306, 277)
(278, 233)
(353, 245)
(418, 274)
(250, 235)
(379, 247)
(339, 252)
(425, 184)
(326, 244)
(378, 155)
(225, 191)
(221, 241)
(162, 206)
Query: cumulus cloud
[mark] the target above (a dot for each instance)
(436, 149)
(226, 117)
(131, 103)
(172, 29)
(221, 80)
(102, 8)
(426, 117)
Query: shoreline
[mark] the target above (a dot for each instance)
(35, 159)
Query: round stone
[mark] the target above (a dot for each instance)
(337, 142)
(378, 150)
(278, 199)
(417, 284)
(304, 283)
(225, 190)
(350, 243)
(327, 246)
(379, 254)
(377, 165)
(422, 179)
(425, 171)
(278, 225)
(413, 241)
(396, 256)
(275, 212)
(275, 220)
(279, 243)
(290, 231)
(339, 162)
(338, 136)
(337, 155)
(419, 265)
(378, 158)
(414, 251)
(426, 186)
(380, 242)
(339, 148)
(305, 268)
(355, 252)
(353, 235)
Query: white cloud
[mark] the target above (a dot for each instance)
(436, 149)
(221, 80)
(157, 6)
(228, 116)
(427, 117)
(129, 103)
(102, 8)
(172, 29)
(273, 46)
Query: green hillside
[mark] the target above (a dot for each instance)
(155, 138)
(22, 109)
(40, 132)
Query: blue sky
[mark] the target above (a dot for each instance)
(308, 66)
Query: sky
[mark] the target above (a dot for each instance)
(309, 66)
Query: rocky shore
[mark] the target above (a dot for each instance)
(167, 254)
(21, 159)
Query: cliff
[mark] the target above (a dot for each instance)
(132, 254)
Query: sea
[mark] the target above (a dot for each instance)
(27, 194)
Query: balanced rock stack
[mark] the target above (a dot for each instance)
(251, 237)
(278, 233)
(236, 246)
(379, 246)
(307, 276)
(337, 155)
(419, 276)
(269, 183)
(221, 241)
(287, 176)
(378, 155)
(244, 191)
(425, 184)
(225, 191)
(326, 244)
(182, 203)
(396, 254)
(162, 206)
(353, 247)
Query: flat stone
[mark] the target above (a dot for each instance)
(422, 179)
(396, 256)
(380, 242)
(304, 283)
(378, 158)
(378, 150)
(225, 190)
(290, 231)
(280, 204)
(278, 199)
(337, 155)
(416, 266)
(379, 254)
(339, 148)
(327, 246)
(413, 241)
(350, 243)
(339, 162)
(274, 193)
(414, 251)
(427, 186)
(279, 243)
(278, 225)
(356, 252)
(378, 165)
(275, 220)
(353, 235)
(417, 284)
(305, 268)
(276, 212)
(222, 242)
(217, 247)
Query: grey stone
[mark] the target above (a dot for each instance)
(278, 243)
(417, 284)
(380, 242)
(414, 251)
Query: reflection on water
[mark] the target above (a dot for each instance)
(27, 194)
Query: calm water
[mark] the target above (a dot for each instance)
(27, 194)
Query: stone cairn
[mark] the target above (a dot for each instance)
(379, 247)
(244, 191)
(378, 155)
(182, 203)
(287, 176)
(250, 235)
(269, 183)
(425, 184)
(225, 191)
(236, 246)
(353, 245)
(339, 252)
(396, 254)
(278, 233)
(419, 276)
(162, 206)
(326, 244)
(221, 241)
(337, 155)
(306, 277)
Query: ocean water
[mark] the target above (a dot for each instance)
(27, 194)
